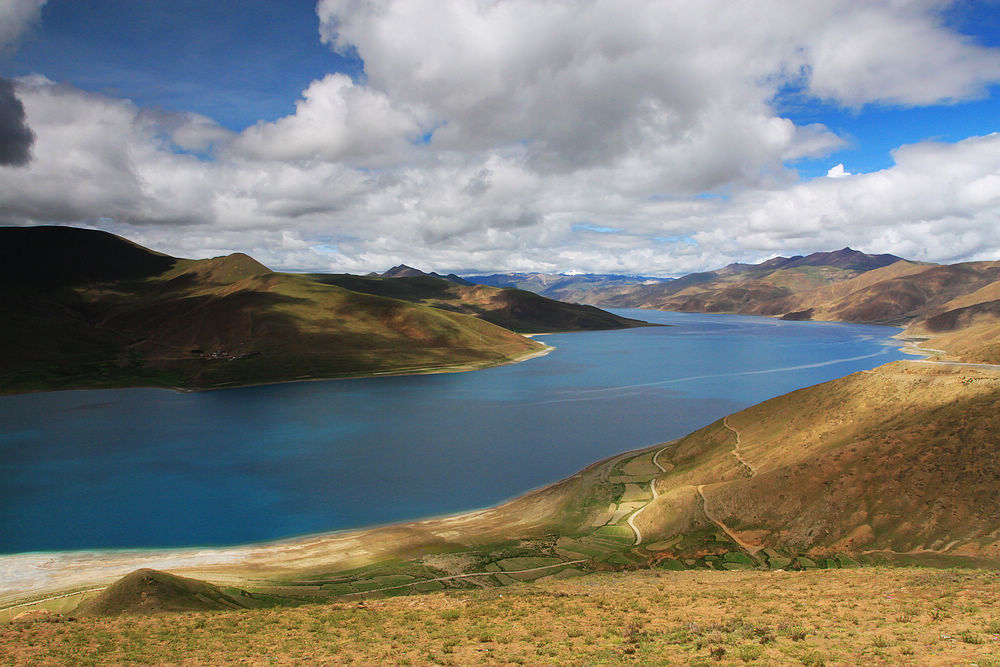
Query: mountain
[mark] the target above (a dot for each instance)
(514, 309)
(70, 255)
(971, 333)
(844, 285)
(897, 294)
(84, 308)
(743, 288)
(845, 258)
(573, 288)
(898, 461)
(728, 289)
(404, 271)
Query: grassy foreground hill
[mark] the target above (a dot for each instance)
(874, 616)
(84, 308)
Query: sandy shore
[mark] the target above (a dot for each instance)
(27, 577)
(33, 575)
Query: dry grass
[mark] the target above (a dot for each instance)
(902, 458)
(837, 617)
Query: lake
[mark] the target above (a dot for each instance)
(155, 468)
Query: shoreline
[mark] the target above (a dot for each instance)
(428, 370)
(40, 574)
(33, 577)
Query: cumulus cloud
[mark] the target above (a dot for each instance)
(939, 202)
(837, 171)
(586, 83)
(582, 84)
(95, 157)
(499, 135)
(897, 53)
(15, 135)
(336, 120)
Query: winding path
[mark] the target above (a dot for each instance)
(943, 551)
(752, 548)
(54, 597)
(962, 364)
(736, 447)
(656, 494)
(463, 576)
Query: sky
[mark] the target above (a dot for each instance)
(652, 137)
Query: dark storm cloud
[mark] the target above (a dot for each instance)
(15, 135)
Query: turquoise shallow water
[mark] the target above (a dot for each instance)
(155, 468)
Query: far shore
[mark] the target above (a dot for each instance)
(424, 370)
(402, 372)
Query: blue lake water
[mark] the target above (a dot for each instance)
(155, 468)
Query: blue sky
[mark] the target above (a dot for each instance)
(872, 133)
(237, 61)
(562, 136)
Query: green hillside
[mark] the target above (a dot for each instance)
(514, 309)
(87, 309)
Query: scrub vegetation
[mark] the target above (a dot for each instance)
(888, 616)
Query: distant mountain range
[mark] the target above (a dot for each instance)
(84, 308)
(574, 288)
(843, 285)
(591, 287)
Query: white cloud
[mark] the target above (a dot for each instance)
(939, 202)
(16, 16)
(837, 171)
(197, 133)
(336, 120)
(897, 53)
(583, 84)
(549, 118)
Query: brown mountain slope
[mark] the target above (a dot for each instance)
(743, 288)
(514, 309)
(824, 300)
(217, 270)
(970, 333)
(916, 295)
(854, 288)
(124, 315)
(904, 458)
